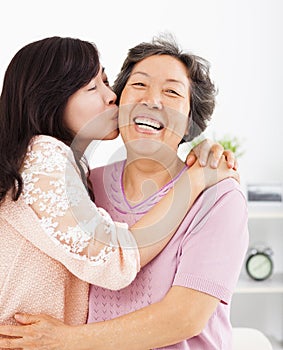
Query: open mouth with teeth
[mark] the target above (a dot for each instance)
(145, 123)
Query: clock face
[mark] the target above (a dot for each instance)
(259, 266)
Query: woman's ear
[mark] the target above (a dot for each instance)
(188, 124)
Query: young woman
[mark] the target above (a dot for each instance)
(55, 100)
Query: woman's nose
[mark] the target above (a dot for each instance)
(152, 100)
(110, 97)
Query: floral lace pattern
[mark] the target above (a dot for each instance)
(54, 189)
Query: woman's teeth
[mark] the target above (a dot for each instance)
(148, 124)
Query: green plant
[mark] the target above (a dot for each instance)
(232, 143)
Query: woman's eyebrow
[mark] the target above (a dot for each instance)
(175, 81)
(143, 73)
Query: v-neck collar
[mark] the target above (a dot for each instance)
(143, 206)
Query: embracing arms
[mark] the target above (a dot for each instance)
(87, 241)
(181, 314)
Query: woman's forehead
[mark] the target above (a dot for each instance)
(170, 67)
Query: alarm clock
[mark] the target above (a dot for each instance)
(259, 264)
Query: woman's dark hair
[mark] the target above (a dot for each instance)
(37, 84)
(203, 91)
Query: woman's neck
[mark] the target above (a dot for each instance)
(144, 177)
(80, 145)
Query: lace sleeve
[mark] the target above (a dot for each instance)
(53, 188)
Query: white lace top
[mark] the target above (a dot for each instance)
(53, 188)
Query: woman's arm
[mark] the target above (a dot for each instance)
(182, 314)
(72, 230)
(91, 243)
(170, 211)
(156, 228)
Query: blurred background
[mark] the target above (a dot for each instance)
(242, 39)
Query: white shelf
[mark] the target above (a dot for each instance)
(265, 210)
(265, 215)
(272, 285)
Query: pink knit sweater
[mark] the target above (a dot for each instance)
(48, 238)
(31, 280)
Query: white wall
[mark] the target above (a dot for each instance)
(241, 38)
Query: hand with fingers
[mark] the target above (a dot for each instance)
(37, 332)
(202, 151)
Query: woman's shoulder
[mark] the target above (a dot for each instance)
(46, 141)
(228, 192)
(46, 152)
(49, 146)
(226, 186)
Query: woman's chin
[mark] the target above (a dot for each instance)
(112, 135)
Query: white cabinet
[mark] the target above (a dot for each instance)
(259, 304)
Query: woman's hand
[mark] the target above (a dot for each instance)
(206, 176)
(40, 332)
(204, 149)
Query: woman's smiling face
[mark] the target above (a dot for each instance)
(155, 104)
